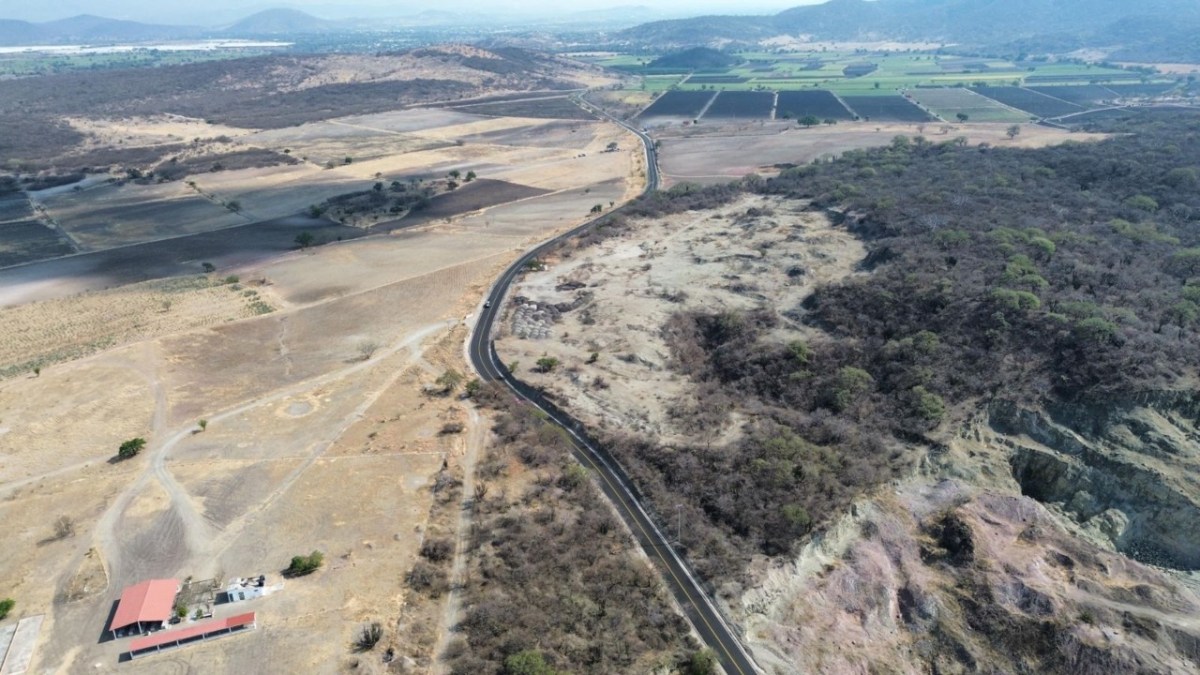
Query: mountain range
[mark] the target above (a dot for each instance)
(963, 22)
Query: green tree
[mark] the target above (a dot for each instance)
(809, 121)
(849, 386)
(305, 564)
(703, 662)
(454, 173)
(1013, 131)
(305, 239)
(469, 177)
(473, 388)
(528, 662)
(6, 606)
(547, 364)
(130, 448)
(963, 117)
(449, 380)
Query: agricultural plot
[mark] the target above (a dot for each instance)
(1083, 76)
(819, 103)
(742, 105)
(1140, 90)
(23, 241)
(541, 108)
(687, 104)
(716, 79)
(886, 109)
(1082, 95)
(1032, 102)
(950, 103)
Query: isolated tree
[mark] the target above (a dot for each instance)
(470, 176)
(305, 239)
(203, 424)
(963, 117)
(378, 187)
(449, 380)
(209, 268)
(305, 564)
(1013, 131)
(546, 364)
(454, 173)
(597, 208)
(810, 121)
(473, 387)
(130, 448)
(6, 606)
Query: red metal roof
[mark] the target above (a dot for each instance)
(167, 637)
(148, 601)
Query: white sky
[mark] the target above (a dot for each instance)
(212, 12)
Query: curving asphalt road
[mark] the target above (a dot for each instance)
(709, 623)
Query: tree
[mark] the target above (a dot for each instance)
(6, 606)
(809, 121)
(473, 387)
(547, 364)
(1013, 131)
(449, 380)
(469, 177)
(597, 209)
(130, 448)
(454, 173)
(305, 564)
(528, 662)
(703, 662)
(203, 424)
(208, 267)
(963, 117)
(305, 239)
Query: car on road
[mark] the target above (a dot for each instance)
(487, 304)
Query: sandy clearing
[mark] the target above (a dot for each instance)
(705, 261)
(718, 154)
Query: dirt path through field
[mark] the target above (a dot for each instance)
(476, 439)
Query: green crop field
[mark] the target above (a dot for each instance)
(949, 103)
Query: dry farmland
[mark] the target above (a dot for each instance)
(310, 369)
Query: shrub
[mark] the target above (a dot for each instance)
(6, 606)
(528, 662)
(546, 364)
(437, 549)
(130, 448)
(369, 636)
(305, 564)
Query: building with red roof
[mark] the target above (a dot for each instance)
(146, 607)
(199, 632)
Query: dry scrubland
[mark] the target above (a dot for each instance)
(320, 431)
(755, 251)
(715, 153)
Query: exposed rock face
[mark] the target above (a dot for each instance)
(1060, 540)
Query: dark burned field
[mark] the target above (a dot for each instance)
(679, 104)
(742, 105)
(181, 255)
(478, 194)
(886, 109)
(821, 103)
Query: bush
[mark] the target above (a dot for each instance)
(528, 662)
(437, 549)
(6, 606)
(369, 636)
(131, 448)
(305, 564)
(428, 579)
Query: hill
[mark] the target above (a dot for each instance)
(280, 22)
(1067, 23)
(696, 58)
(88, 28)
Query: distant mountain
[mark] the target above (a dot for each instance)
(965, 22)
(89, 29)
(280, 22)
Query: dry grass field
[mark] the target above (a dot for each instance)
(719, 153)
(318, 434)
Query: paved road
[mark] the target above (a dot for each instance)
(708, 622)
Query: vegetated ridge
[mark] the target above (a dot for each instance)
(979, 23)
(1028, 325)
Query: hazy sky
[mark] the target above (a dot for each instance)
(212, 12)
